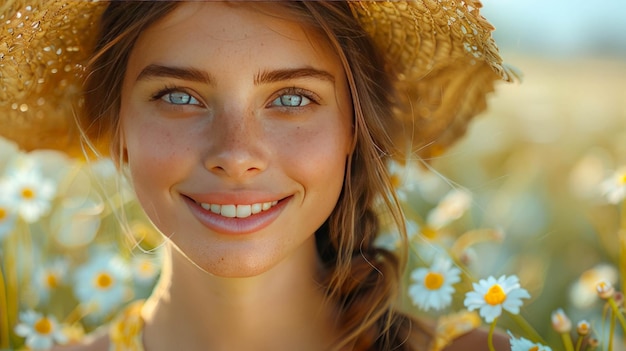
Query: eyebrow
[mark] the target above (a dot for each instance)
(292, 73)
(195, 75)
(160, 71)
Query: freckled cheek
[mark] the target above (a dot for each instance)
(316, 159)
(155, 160)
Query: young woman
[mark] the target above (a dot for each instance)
(255, 136)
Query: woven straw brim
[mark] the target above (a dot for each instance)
(445, 60)
(43, 48)
(441, 53)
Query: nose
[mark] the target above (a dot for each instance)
(237, 147)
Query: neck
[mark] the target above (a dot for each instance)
(281, 309)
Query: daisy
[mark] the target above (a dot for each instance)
(76, 221)
(390, 239)
(450, 208)
(432, 287)
(560, 322)
(41, 332)
(101, 284)
(583, 328)
(49, 277)
(583, 292)
(145, 268)
(28, 190)
(402, 177)
(7, 216)
(605, 289)
(522, 344)
(491, 295)
(614, 188)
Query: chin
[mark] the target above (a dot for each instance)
(230, 264)
(238, 269)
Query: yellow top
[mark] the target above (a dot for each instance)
(125, 332)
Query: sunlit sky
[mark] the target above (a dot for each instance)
(559, 27)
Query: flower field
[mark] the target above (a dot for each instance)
(545, 167)
(521, 226)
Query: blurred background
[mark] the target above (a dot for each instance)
(536, 165)
(536, 160)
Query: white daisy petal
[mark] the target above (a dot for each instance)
(491, 295)
(40, 331)
(522, 344)
(102, 283)
(432, 287)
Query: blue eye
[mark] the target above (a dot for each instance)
(291, 100)
(179, 98)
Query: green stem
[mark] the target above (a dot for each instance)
(622, 243)
(611, 332)
(12, 282)
(606, 309)
(492, 328)
(617, 313)
(579, 343)
(623, 215)
(4, 317)
(567, 342)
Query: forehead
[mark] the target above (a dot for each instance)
(243, 27)
(220, 16)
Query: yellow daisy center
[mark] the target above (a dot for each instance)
(395, 180)
(145, 267)
(433, 280)
(52, 281)
(428, 232)
(3, 214)
(104, 281)
(583, 328)
(622, 179)
(534, 348)
(28, 193)
(495, 295)
(43, 326)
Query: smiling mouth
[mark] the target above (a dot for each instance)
(238, 211)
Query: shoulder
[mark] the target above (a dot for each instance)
(98, 342)
(477, 339)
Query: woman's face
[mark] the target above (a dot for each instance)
(237, 125)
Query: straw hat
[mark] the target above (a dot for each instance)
(441, 51)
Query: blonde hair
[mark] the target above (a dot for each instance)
(362, 280)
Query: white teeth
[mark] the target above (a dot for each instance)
(239, 211)
(244, 211)
(229, 211)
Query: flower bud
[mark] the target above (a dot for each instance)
(605, 289)
(593, 343)
(560, 322)
(583, 328)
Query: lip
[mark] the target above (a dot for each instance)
(234, 225)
